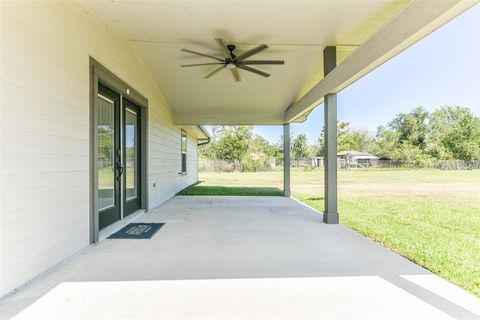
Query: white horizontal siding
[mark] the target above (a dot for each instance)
(44, 138)
(165, 166)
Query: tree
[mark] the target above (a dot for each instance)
(411, 127)
(321, 145)
(454, 134)
(299, 147)
(277, 151)
(261, 145)
(348, 139)
(405, 138)
(386, 142)
(207, 151)
(419, 137)
(233, 143)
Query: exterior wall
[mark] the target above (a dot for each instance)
(165, 164)
(44, 137)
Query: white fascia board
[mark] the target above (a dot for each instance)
(196, 131)
(417, 20)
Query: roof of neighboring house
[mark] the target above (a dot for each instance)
(365, 158)
(354, 153)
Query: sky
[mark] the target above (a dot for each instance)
(441, 69)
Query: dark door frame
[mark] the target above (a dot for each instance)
(99, 73)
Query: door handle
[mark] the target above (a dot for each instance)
(120, 172)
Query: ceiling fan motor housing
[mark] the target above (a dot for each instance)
(230, 48)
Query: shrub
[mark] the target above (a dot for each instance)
(256, 164)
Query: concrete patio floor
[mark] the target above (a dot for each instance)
(240, 257)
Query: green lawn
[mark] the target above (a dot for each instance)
(432, 217)
(205, 190)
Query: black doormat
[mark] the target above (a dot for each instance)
(137, 231)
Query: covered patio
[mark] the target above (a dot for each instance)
(239, 257)
(215, 257)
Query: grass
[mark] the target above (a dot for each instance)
(200, 190)
(431, 217)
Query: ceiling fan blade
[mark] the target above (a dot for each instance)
(223, 46)
(200, 64)
(235, 74)
(253, 62)
(247, 68)
(251, 52)
(201, 54)
(213, 72)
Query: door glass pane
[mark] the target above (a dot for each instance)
(131, 145)
(106, 152)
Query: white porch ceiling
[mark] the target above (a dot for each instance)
(296, 31)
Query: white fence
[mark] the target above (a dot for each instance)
(457, 165)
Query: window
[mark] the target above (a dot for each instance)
(184, 152)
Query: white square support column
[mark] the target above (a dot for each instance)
(330, 214)
(286, 160)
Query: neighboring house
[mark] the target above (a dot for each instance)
(355, 159)
(349, 159)
(99, 123)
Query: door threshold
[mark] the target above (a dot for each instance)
(114, 227)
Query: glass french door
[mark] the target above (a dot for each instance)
(118, 157)
(132, 157)
(109, 160)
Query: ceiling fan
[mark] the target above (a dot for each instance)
(233, 62)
